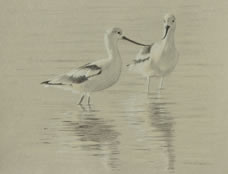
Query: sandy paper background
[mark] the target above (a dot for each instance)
(43, 131)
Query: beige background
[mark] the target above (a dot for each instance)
(126, 131)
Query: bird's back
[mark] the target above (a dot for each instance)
(142, 59)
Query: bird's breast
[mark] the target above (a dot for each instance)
(114, 71)
(164, 58)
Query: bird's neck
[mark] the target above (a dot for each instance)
(170, 37)
(111, 47)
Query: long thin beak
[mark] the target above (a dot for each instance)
(166, 31)
(129, 40)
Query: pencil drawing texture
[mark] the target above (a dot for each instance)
(98, 75)
(160, 58)
(181, 129)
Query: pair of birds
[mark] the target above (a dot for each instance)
(155, 60)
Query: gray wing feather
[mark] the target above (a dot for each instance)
(146, 50)
(76, 76)
(143, 55)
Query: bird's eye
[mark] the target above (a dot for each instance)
(173, 21)
(119, 32)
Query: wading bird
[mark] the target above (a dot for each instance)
(160, 58)
(95, 76)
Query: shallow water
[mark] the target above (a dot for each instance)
(181, 129)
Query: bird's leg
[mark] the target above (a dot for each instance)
(161, 83)
(148, 84)
(81, 99)
(88, 100)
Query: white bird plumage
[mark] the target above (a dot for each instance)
(160, 58)
(95, 76)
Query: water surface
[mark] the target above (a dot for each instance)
(181, 129)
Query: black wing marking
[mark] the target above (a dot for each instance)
(48, 82)
(143, 55)
(146, 49)
(137, 61)
(79, 79)
(78, 76)
(83, 78)
(90, 66)
(141, 60)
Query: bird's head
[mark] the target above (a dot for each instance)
(169, 23)
(117, 34)
(114, 33)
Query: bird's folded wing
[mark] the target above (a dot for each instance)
(143, 55)
(145, 50)
(78, 75)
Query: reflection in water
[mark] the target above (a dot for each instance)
(132, 131)
(156, 123)
(162, 121)
(96, 136)
(146, 126)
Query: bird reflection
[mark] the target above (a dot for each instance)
(162, 122)
(96, 136)
(149, 115)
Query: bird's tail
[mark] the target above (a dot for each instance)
(48, 82)
(45, 82)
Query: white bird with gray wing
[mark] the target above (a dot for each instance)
(160, 58)
(94, 76)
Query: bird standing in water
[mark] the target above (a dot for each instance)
(95, 76)
(160, 58)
